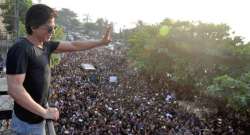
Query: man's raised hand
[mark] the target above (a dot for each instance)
(107, 37)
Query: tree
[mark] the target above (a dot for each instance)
(56, 58)
(89, 27)
(192, 54)
(86, 18)
(68, 19)
(101, 24)
(9, 13)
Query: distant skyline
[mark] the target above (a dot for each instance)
(125, 13)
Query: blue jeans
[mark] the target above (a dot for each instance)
(23, 128)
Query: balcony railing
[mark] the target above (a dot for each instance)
(6, 114)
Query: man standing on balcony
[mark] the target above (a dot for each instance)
(28, 71)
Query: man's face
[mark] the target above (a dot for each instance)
(45, 32)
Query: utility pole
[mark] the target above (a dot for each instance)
(86, 18)
(16, 19)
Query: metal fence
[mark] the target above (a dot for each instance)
(5, 43)
(7, 37)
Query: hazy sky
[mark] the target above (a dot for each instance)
(235, 13)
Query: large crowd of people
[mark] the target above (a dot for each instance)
(2, 68)
(90, 104)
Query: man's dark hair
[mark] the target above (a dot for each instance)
(38, 15)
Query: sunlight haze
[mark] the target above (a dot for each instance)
(126, 13)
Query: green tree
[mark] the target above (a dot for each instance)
(101, 24)
(56, 58)
(90, 27)
(68, 20)
(189, 53)
(9, 13)
(236, 92)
